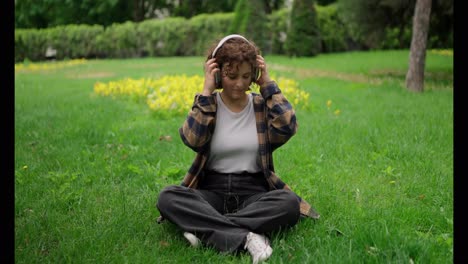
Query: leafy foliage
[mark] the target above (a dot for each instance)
(333, 33)
(303, 37)
(250, 20)
(49, 13)
(195, 7)
(367, 18)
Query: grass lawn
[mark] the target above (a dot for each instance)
(373, 158)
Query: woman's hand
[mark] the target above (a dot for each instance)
(264, 77)
(211, 67)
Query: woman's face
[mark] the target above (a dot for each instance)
(236, 79)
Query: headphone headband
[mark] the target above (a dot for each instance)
(224, 40)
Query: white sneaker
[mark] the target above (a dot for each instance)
(258, 246)
(192, 239)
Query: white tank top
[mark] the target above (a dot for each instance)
(234, 143)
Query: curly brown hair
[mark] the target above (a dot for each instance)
(235, 51)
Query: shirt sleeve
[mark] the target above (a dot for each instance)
(197, 127)
(281, 117)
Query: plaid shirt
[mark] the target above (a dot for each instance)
(276, 124)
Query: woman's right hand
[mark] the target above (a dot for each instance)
(211, 67)
(264, 76)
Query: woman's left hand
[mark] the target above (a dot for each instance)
(264, 77)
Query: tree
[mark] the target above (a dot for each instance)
(50, 13)
(441, 25)
(303, 36)
(326, 2)
(250, 20)
(369, 20)
(192, 8)
(272, 5)
(415, 75)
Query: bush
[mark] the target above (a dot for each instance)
(30, 44)
(119, 41)
(206, 28)
(163, 37)
(250, 20)
(73, 41)
(314, 29)
(333, 32)
(303, 37)
(278, 25)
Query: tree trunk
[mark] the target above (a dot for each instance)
(137, 10)
(415, 75)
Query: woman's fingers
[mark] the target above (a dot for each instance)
(210, 66)
(264, 77)
(261, 62)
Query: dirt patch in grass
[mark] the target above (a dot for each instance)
(434, 80)
(401, 74)
(145, 66)
(349, 77)
(156, 65)
(90, 75)
(388, 73)
(310, 73)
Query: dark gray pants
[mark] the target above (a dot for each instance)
(226, 207)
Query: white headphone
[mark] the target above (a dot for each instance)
(224, 40)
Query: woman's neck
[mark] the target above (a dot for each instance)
(235, 105)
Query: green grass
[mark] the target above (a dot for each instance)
(88, 169)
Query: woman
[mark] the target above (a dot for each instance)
(230, 198)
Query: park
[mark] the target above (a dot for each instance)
(96, 140)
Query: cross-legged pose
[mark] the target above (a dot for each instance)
(231, 199)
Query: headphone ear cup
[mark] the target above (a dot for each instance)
(217, 78)
(255, 74)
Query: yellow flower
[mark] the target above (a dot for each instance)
(337, 111)
(47, 65)
(174, 94)
(329, 102)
